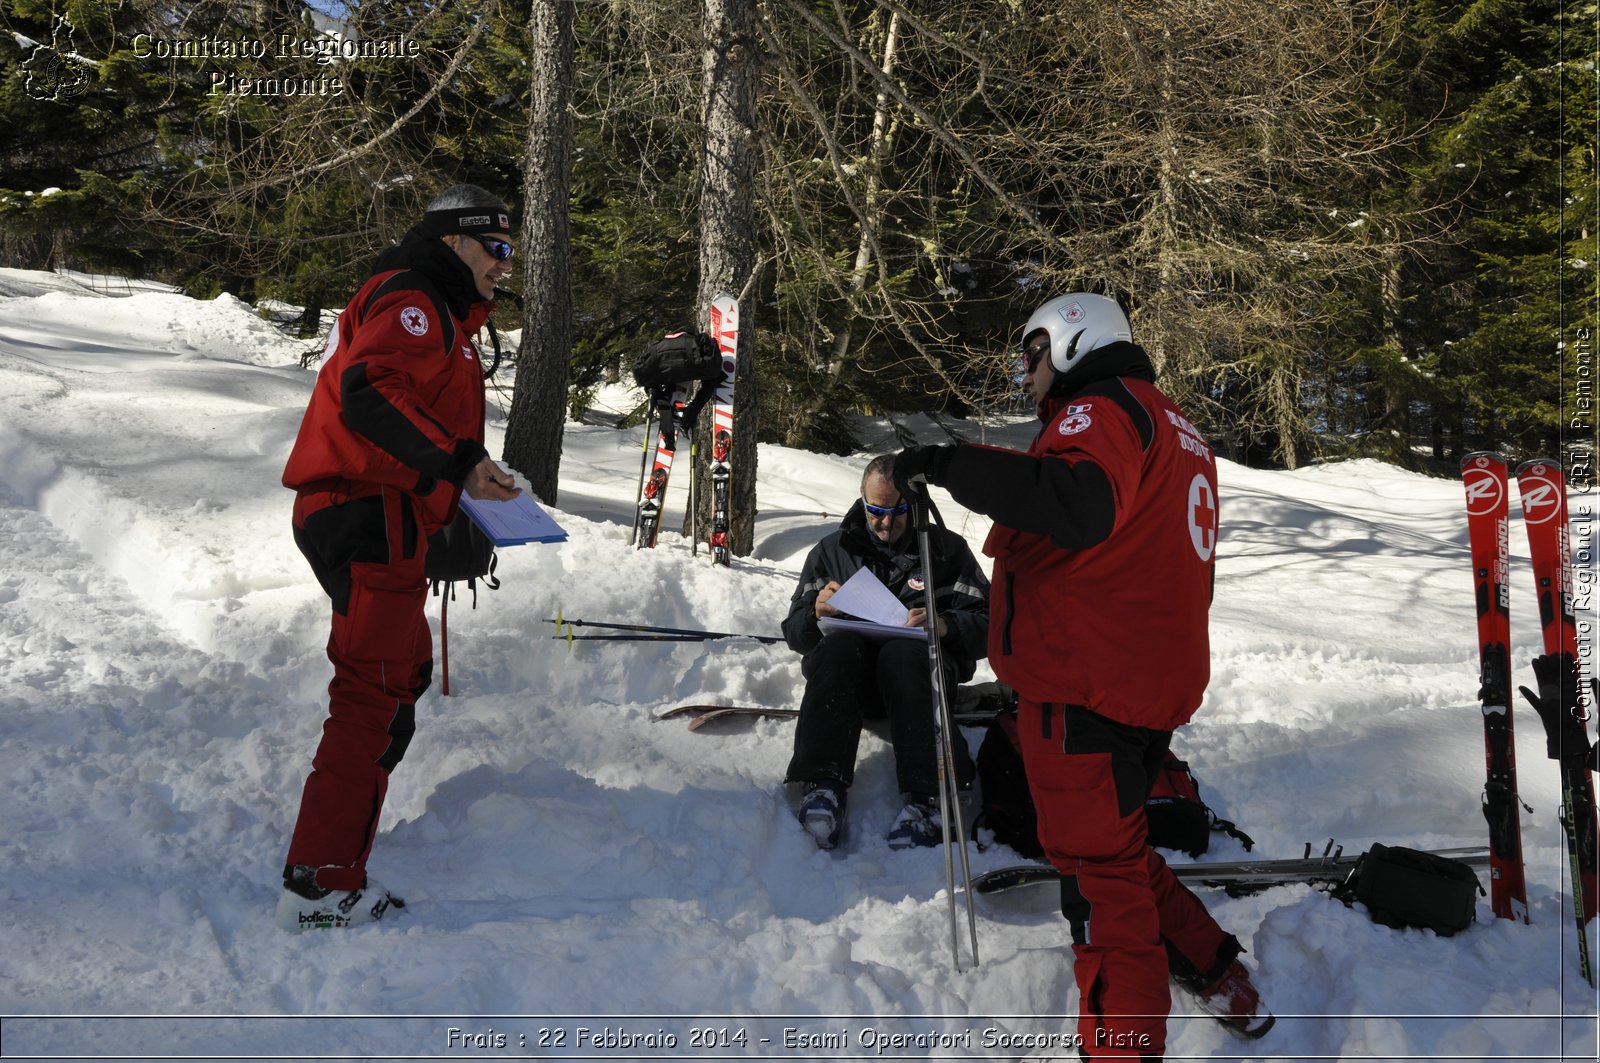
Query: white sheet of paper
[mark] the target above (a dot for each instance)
(864, 597)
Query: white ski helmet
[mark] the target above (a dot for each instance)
(1077, 323)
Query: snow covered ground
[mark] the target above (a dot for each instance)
(573, 867)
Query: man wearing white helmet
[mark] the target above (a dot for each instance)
(1104, 544)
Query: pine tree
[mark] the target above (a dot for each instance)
(1477, 306)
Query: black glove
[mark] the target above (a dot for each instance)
(927, 463)
(1559, 705)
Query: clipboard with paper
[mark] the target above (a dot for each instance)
(872, 610)
(514, 522)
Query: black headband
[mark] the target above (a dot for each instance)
(471, 220)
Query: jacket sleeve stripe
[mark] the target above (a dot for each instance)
(370, 413)
(971, 591)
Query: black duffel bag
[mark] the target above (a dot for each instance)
(676, 359)
(1410, 888)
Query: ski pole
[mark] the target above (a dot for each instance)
(644, 636)
(648, 636)
(693, 633)
(644, 467)
(950, 824)
(694, 477)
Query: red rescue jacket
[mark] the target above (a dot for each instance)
(392, 408)
(1104, 549)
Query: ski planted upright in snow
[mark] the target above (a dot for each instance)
(1542, 484)
(653, 491)
(725, 330)
(1483, 475)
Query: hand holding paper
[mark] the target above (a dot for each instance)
(864, 597)
(879, 614)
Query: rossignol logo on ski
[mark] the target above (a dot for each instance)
(1485, 494)
(1502, 564)
(1541, 496)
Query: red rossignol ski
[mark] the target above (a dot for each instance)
(725, 330)
(1483, 475)
(653, 492)
(1543, 486)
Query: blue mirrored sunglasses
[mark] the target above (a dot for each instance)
(498, 248)
(885, 511)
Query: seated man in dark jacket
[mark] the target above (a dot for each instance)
(850, 677)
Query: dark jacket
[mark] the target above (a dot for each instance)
(1104, 543)
(961, 592)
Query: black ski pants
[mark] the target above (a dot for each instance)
(849, 680)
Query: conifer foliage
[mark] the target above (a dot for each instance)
(1340, 227)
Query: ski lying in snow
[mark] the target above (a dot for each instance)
(1542, 483)
(703, 715)
(1240, 875)
(701, 711)
(724, 314)
(740, 712)
(1483, 475)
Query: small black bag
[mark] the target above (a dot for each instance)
(1407, 887)
(1178, 816)
(1007, 804)
(679, 358)
(460, 551)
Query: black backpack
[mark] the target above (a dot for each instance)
(1178, 819)
(680, 358)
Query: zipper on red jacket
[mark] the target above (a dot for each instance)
(1011, 612)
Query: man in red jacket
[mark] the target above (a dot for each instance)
(1104, 544)
(392, 436)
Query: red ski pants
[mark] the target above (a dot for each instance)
(382, 654)
(1089, 777)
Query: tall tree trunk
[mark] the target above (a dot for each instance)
(728, 240)
(539, 405)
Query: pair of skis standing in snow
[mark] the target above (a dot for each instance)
(676, 364)
(1560, 699)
